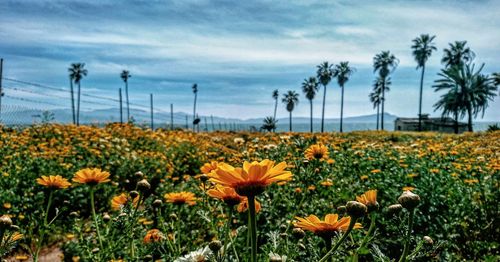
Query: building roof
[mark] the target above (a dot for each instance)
(443, 121)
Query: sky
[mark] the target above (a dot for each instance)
(237, 52)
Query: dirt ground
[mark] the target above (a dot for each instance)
(53, 254)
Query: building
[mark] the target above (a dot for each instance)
(436, 124)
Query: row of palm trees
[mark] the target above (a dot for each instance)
(469, 91)
(77, 72)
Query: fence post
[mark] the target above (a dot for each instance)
(171, 116)
(121, 105)
(187, 124)
(151, 100)
(212, 121)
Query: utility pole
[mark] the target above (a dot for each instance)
(171, 116)
(212, 120)
(1, 89)
(206, 125)
(151, 100)
(121, 105)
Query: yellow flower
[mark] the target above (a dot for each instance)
(53, 182)
(318, 152)
(181, 198)
(412, 175)
(91, 176)
(207, 168)
(253, 178)
(408, 188)
(324, 228)
(471, 181)
(369, 199)
(21, 257)
(364, 177)
(153, 235)
(243, 206)
(117, 202)
(226, 194)
(374, 171)
(7, 205)
(327, 183)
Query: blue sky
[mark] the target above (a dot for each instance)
(239, 51)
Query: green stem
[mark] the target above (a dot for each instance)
(408, 235)
(367, 237)
(334, 248)
(92, 206)
(253, 227)
(227, 231)
(132, 224)
(42, 230)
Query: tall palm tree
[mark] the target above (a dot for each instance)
(125, 75)
(324, 75)
(458, 54)
(310, 87)
(376, 95)
(496, 78)
(469, 92)
(422, 50)
(290, 99)
(384, 63)
(77, 72)
(195, 91)
(72, 75)
(343, 71)
(276, 95)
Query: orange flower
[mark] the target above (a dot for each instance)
(369, 199)
(318, 152)
(91, 176)
(327, 228)
(207, 168)
(180, 198)
(57, 182)
(226, 194)
(327, 183)
(153, 235)
(253, 178)
(243, 206)
(117, 202)
(408, 188)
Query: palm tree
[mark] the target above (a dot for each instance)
(195, 91)
(125, 75)
(324, 75)
(343, 71)
(310, 87)
(469, 92)
(290, 99)
(269, 124)
(384, 63)
(276, 95)
(77, 72)
(496, 78)
(422, 50)
(72, 76)
(376, 95)
(458, 54)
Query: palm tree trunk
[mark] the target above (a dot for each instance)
(420, 101)
(455, 125)
(323, 113)
(72, 100)
(78, 105)
(290, 121)
(311, 104)
(194, 110)
(341, 108)
(469, 122)
(378, 112)
(383, 102)
(128, 105)
(275, 109)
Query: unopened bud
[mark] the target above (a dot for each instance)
(14, 228)
(341, 209)
(283, 235)
(139, 174)
(215, 246)
(74, 214)
(409, 200)
(133, 194)
(143, 185)
(428, 240)
(283, 228)
(356, 209)
(298, 233)
(5, 221)
(173, 216)
(157, 203)
(95, 250)
(106, 217)
(394, 209)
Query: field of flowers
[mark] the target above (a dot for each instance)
(131, 194)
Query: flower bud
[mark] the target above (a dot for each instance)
(298, 233)
(95, 250)
(428, 240)
(283, 235)
(139, 174)
(356, 209)
(203, 178)
(283, 228)
(394, 209)
(215, 246)
(74, 214)
(106, 217)
(14, 228)
(157, 203)
(133, 194)
(5, 221)
(173, 216)
(409, 200)
(143, 185)
(148, 258)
